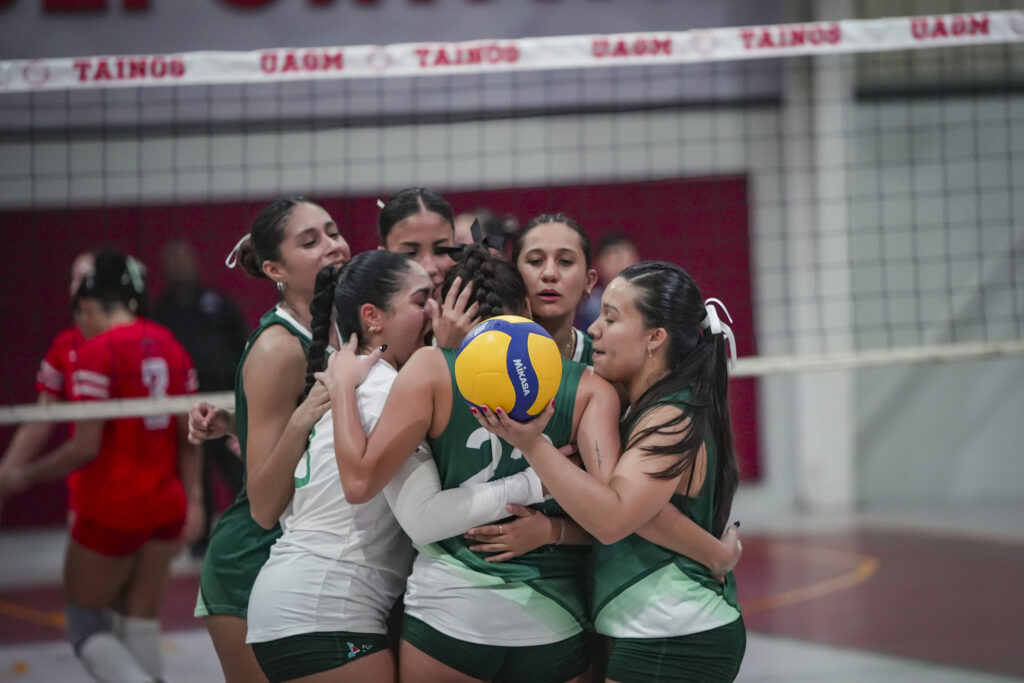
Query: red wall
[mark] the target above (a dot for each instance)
(699, 223)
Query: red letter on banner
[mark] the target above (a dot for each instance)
(72, 5)
(248, 4)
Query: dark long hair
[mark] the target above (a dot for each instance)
(585, 245)
(409, 202)
(373, 277)
(115, 279)
(497, 285)
(266, 235)
(668, 297)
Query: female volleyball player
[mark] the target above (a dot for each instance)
(290, 241)
(139, 489)
(669, 619)
(53, 381)
(553, 255)
(319, 603)
(419, 222)
(458, 624)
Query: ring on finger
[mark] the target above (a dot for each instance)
(499, 530)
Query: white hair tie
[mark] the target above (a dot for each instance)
(136, 273)
(713, 323)
(232, 260)
(380, 203)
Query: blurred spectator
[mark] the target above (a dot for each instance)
(211, 328)
(615, 252)
(496, 229)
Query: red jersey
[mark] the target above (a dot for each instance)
(133, 482)
(54, 378)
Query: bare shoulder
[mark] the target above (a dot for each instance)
(593, 385)
(276, 349)
(660, 415)
(426, 362)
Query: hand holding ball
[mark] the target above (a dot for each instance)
(511, 363)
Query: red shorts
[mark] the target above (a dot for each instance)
(119, 542)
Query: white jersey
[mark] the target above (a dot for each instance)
(337, 566)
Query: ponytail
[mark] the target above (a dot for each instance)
(373, 277)
(697, 360)
(320, 308)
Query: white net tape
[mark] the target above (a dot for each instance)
(745, 367)
(525, 54)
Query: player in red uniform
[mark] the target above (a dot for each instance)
(53, 381)
(139, 489)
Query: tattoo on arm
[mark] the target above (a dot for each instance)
(597, 447)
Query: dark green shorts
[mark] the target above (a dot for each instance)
(554, 663)
(309, 653)
(706, 657)
(238, 549)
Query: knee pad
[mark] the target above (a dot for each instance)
(83, 623)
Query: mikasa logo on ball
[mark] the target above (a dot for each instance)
(522, 376)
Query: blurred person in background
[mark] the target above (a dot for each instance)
(53, 381)
(139, 493)
(495, 230)
(211, 328)
(615, 252)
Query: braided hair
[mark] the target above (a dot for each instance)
(669, 298)
(373, 277)
(498, 287)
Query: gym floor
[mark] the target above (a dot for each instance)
(895, 595)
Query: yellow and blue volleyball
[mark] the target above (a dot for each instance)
(509, 362)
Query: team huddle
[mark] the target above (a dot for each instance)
(589, 541)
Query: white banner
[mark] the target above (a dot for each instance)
(560, 52)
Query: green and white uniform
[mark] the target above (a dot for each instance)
(645, 591)
(535, 599)
(238, 545)
(583, 347)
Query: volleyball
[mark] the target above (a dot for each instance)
(509, 362)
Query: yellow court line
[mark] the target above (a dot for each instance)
(864, 568)
(10, 609)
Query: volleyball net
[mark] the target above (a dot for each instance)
(852, 188)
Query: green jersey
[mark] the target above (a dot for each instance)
(643, 590)
(238, 545)
(532, 599)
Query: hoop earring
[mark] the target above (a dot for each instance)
(649, 354)
(281, 287)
